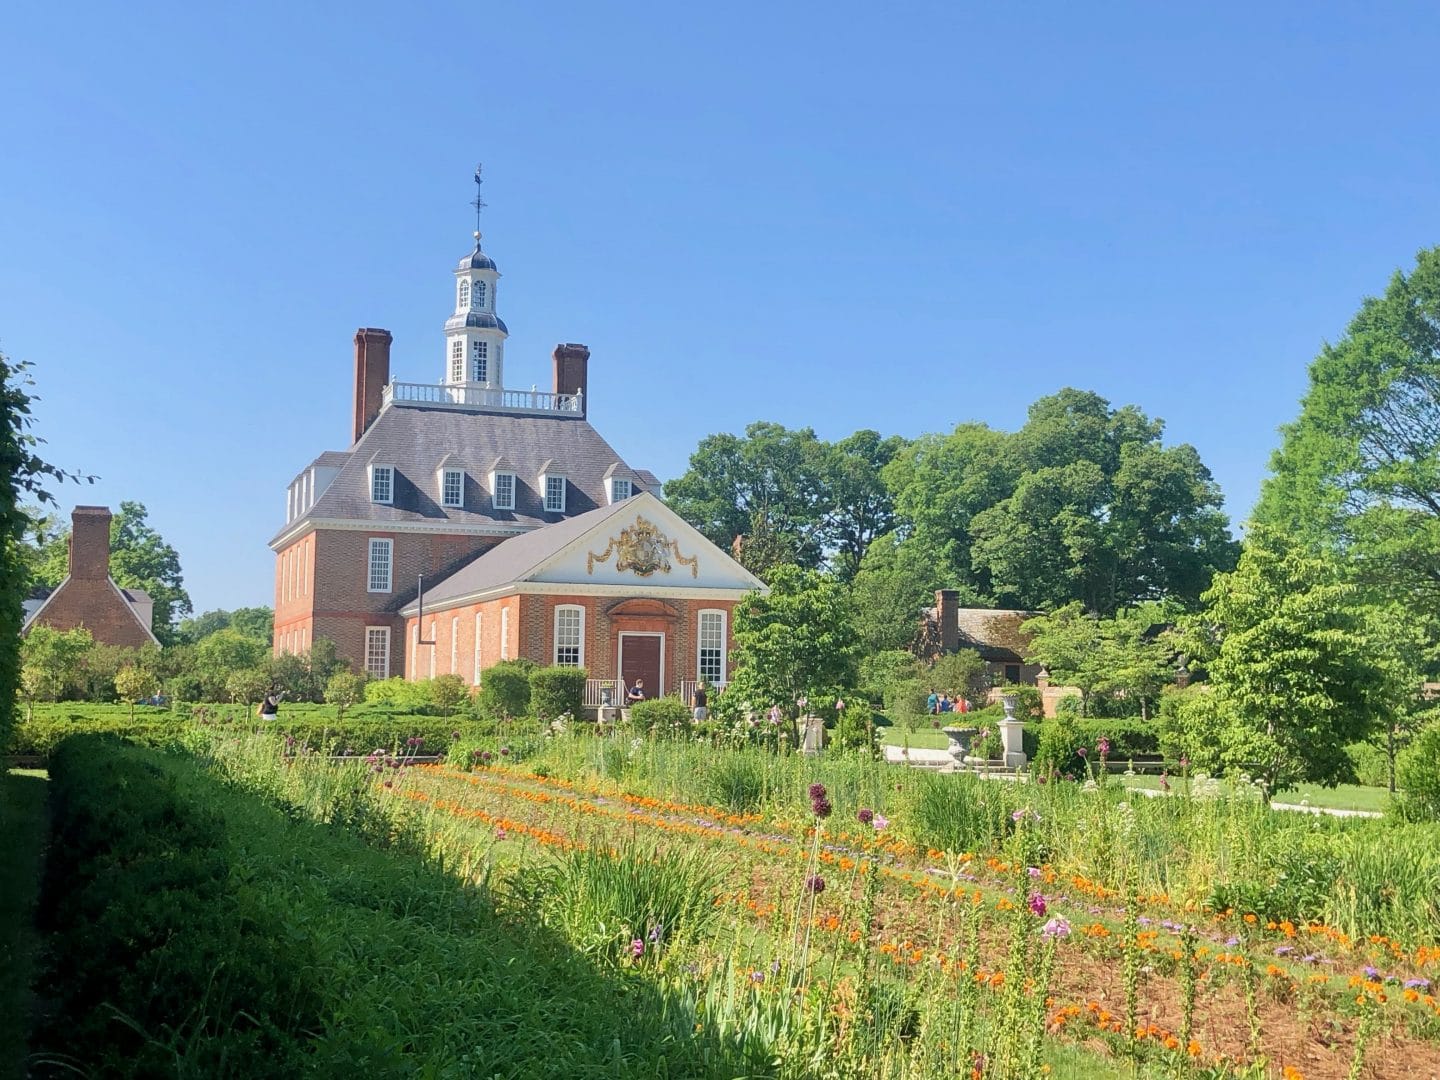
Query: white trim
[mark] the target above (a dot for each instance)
(453, 528)
(553, 588)
(389, 564)
(479, 637)
(620, 659)
(373, 467)
(445, 474)
(700, 676)
(545, 479)
(455, 645)
(555, 634)
(414, 664)
(386, 631)
(505, 633)
(433, 648)
(495, 502)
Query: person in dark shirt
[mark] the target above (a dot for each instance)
(702, 701)
(636, 692)
(270, 707)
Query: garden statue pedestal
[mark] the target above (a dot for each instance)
(960, 740)
(1012, 734)
(812, 738)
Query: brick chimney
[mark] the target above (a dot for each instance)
(572, 372)
(90, 543)
(372, 373)
(947, 614)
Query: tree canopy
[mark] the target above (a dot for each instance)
(139, 559)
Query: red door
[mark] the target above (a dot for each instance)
(640, 659)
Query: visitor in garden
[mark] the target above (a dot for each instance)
(702, 700)
(636, 692)
(932, 703)
(946, 705)
(270, 707)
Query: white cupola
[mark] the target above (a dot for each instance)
(474, 335)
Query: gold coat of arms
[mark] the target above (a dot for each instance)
(643, 549)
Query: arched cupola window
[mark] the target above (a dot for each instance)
(479, 294)
(464, 294)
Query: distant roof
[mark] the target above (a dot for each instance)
(485, 320)
(135, 596)
(649, 479)
(414, 438)
(511, 559)
(995, 633)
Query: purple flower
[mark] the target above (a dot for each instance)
(1309, 958)
(821, 807)
(1417, 984)
(1184, 761)
(1164, 781)
(1103, 746)
(485, 756)
(637, 948)
(866, 815)
(1033, 871)
(1057, 928)
(1231, 942)
(389, 783)
(1371, 973)
(815, 884)
(1286, 950)
(817, 791)
(881, 822)
(454, 735)
(757, 977)
(1083, 752)
(504, 751)
(500, 833)
(655, 934)
(1037, 905)
(1017, 816)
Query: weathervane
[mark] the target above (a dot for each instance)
(479, 203)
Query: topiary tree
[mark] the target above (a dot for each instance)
(505, 688)
(662, 718)
(447, 692)
(136, 682)
(344, 689)
(557, 691)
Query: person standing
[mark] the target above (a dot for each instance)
(702, 701)
(270, 707)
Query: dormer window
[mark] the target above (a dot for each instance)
(464, 294)
(479, 361)
(382, 484)
(554, 494)
(452, 487)
(479, 295)
(620, 488)
(502, 487)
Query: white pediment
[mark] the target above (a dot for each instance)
(645, 543)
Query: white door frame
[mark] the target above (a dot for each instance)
(643, 633)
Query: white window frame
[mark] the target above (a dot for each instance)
(459, 478)
(478, 639)
(495, 490)
(372, 635)
(464, 292)
(619, 483)
(579, 646)
(382, 474)
(504, 633)
(378, 544)
(479, 361)
(554, 506)
(700, 674)
(477, 296)
(454, 644)
(415, 652)
(434, 647)
(457, 360)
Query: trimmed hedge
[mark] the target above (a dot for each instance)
(555, 691)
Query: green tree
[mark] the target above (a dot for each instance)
(1140, 655)
(1070, 644)
(797, 641)
(1358, 472)
(344, 689)
(248, 685)
(959, 674)
(858, 504)
(222, 654)
(139, 559)
(1299, 665)
(256, 622)
(133, 683)
(50, 660)
(896, 582)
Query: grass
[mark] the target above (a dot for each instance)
(920, 739)
(22, 835)
(1341, 797)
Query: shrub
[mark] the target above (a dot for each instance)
(556, 691)
(136, 684)
(662, 718)
(1055, 749)
(447, 692)
(1029, 704)
(734, 781)
(247, 686)
(1418, 773)
(855, 729)
(1371, 766)
(906, 703)
(344, 690)
(505, 688)
(398, 693)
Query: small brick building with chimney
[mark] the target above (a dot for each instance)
(466, 488)
(89, 597)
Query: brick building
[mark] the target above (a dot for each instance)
(462, 488)
(89, 597)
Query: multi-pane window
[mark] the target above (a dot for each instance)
(569, 636)
(382, 483)
(380, 558)
(476, 680)
(479, 294)
(504, 491)
(479, 361)
(464, 294)
(455, 645)
(711, 667)
(555, 494)
(452, 487)
(377, 652)
(620, 489)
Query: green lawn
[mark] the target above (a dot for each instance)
(22, 835)
(926, 738)
(1343, 797)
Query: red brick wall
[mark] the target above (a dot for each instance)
(490, 624)
(94, 604)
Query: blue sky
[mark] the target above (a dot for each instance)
(843, 215)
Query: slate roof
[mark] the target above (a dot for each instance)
(415, 440)
(995, 633)
(512, 559)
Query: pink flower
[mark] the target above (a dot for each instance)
(1056, 928)
(1037, 905)
(881, 822)
(637, 948)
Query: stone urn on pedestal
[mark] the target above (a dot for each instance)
(1012, 734)
(961, 740)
